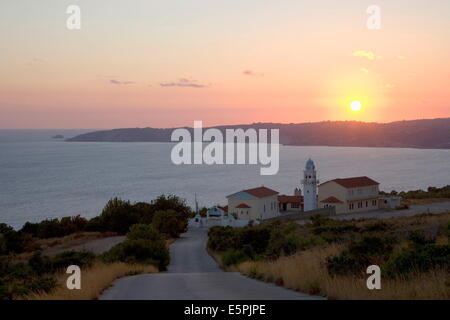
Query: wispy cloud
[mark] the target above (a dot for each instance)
(367, 54)
(183, 82)
(117, 82)
(35, 61)
(252, 73)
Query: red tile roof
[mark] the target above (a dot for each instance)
(331, 200)
(224, 208)
(290, 199)
(355, 182)
(261, 192)
(243, 206)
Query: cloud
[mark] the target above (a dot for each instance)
(366, 54)
(364, 70)
(252, 73)
(183, 82)
(35, 61)
(117, 82)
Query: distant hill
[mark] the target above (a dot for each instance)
(428, 133)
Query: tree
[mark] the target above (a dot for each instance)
(170, 223)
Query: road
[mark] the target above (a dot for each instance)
(194, 275)
(97, 246)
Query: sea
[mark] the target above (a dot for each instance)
(43, 178)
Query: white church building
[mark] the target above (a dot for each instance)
(345, 195)
(253, 204)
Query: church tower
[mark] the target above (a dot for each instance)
(310, 183)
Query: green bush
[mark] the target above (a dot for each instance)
(419, 259)
(448, 231)
(144, 244)
(343, 264)
(139, 251)
(222, 238)
(170, 222)
(67, 258)
(360, 254)
(11, 241)
(256, 237)
(375, 227)
(144, 232)
(419, 239)
(232, 257)
(171, 202)
(21, 279)
(55, 227)
(282, 243)
(118, 216)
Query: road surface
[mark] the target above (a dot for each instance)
(194, 275)
(97, 246)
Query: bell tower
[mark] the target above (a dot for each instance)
(310, 183)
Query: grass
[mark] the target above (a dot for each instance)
(424, 201)
(305, 272)
(93, 281)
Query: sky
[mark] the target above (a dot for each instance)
(141, 63)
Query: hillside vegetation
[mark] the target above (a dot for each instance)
(329, 257)
(428, 133)
(27, 273)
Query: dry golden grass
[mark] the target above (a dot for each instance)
(93, 281)
(424, 201)
(306, 272)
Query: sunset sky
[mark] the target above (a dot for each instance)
(167, 63)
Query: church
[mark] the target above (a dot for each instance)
(345, 195)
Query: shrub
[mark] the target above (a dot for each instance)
(419, 239)
(256, 237)
(39, 264)
(170, 223)
(171, 202)
(343, 264)
(222, 238)
(20, 279)
(233, 256)
(54, 227)
(144, 244)
(318, 220)
(448, 231)
(376, 226)
(67, 258)
(118, 216)
(11, 241)
(144, 232)
(360, 254)
(140, 251)
(419, 259)
(282, 243)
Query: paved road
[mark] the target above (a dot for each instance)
(193, 274)
(97, 246)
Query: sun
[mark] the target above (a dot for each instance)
(355, 105)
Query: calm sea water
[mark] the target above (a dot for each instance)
(45, 178)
